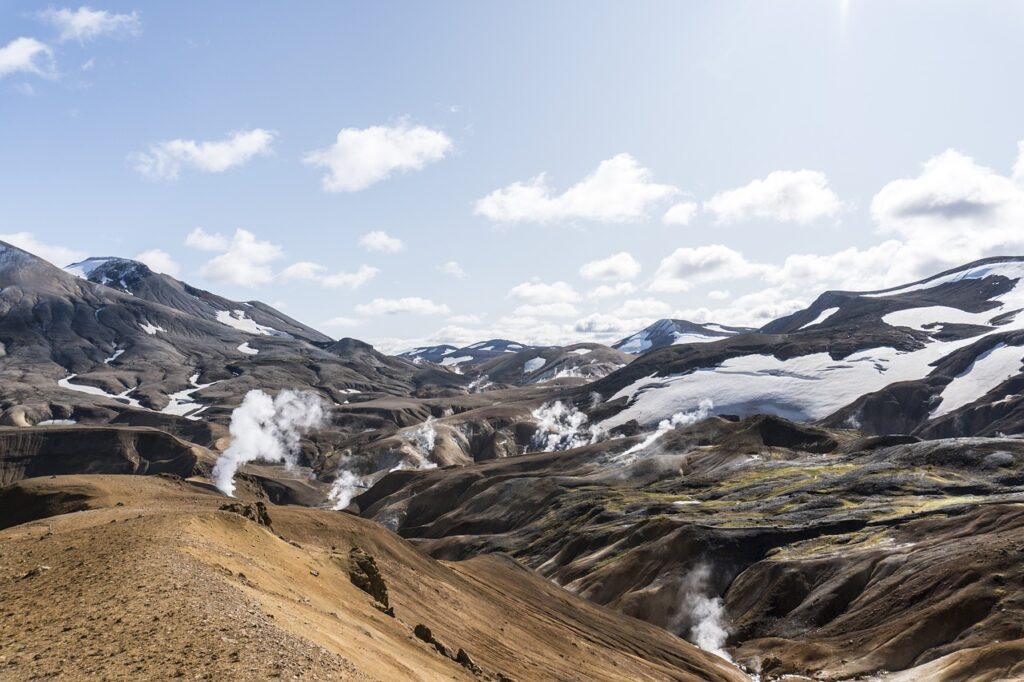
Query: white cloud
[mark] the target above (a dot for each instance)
(159, 260)
(412, 305)
(378, 240)
(541, 292)
(643, 307)
(58, 255)
(686, 267)
(452, 268)
(85, 24)
(610, 327)
(621, 265)
(718, 294)
(245, 260)
(362, 157)
(619, 190)
(546, 310)
(314, 272)
(681, 213)
(611, 290)
(164, 160)
(465, 319)
(205, 241)
(342, 322)
(26, 55)
(787, 196)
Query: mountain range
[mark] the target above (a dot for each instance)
(835, 494)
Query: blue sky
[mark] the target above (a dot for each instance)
(800, 145)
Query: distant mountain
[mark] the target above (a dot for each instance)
(669, 332)
(461, 358)
(941, 356)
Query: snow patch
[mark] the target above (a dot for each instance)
(988, 370)
(151, 329)
(247, 349)
(822, 316)
(533, 364)
(240, 320)
(92, 390)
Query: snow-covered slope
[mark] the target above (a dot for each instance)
(913, 358)
(463, 358)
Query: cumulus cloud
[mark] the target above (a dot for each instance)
(546, 310)
(26, 55)
(244, 260)
(612, 290)
(85, 24)
(685, 267)
(680, 214)
(206, 241)
(453, 269)
(619, 266)
(57, 255)
(314, 272)
(619, 190)
(159, 260)
(164, 160)
(412, 305)
(378, 240)
(643, 307)
(951, 191)
(342, 322)
(786, 196)
(362, 157)
(542, 292)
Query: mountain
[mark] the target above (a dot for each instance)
(467, 356)
(669, 332)
(138, 279)
(117, 342)
(941, 356)
(582, 362)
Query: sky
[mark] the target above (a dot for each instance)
(414, 173)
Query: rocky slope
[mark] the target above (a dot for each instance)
(149, 578)
(797, 550)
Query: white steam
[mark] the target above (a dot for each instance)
(560, 426)
(267, 429)
(704, 614)
(348, 484)
(703, 411)
(422, 439)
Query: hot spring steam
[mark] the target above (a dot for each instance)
(267, 429)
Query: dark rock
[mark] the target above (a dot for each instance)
(365, 575)
(255, 511)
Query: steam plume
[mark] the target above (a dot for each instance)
(561, 426)
(704, 615)
(703, 411)
(267, 429)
